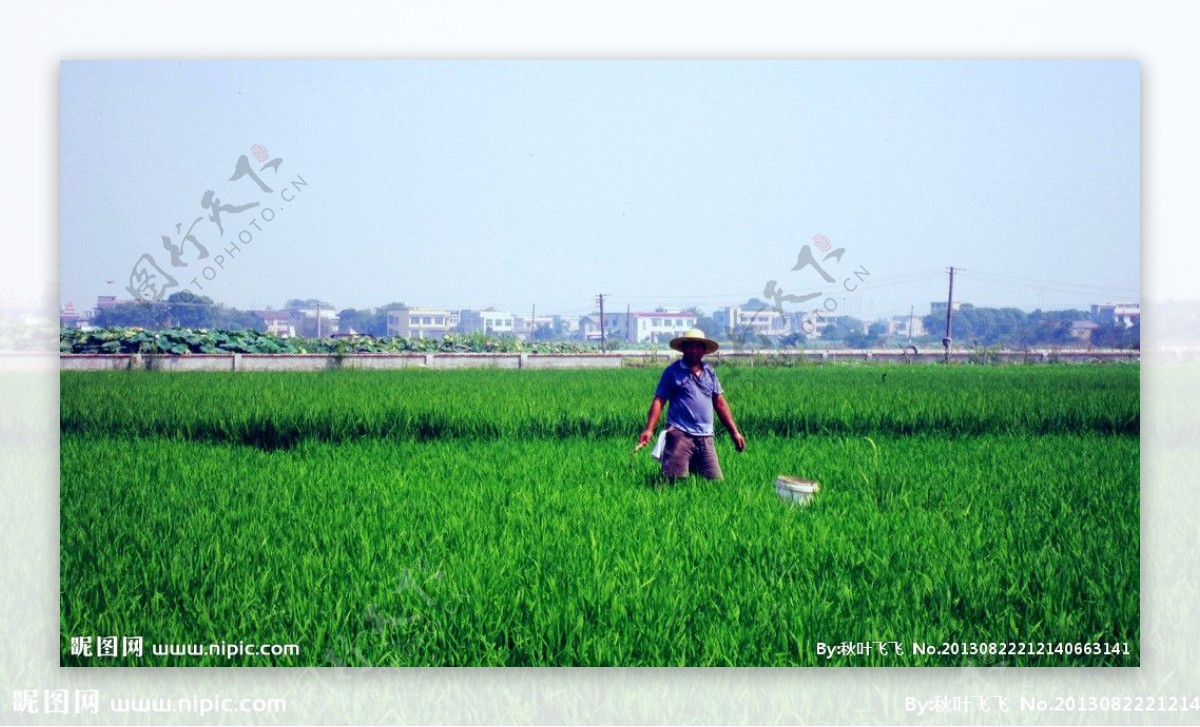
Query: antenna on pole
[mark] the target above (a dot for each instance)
(600, 297)
(949, 312)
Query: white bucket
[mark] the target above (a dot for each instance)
(796, 489)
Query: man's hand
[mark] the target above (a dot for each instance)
(738, 440)
(645, 438)
(656, 407)
(722, 408)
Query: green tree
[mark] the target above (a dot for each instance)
(843, 329)
(1117, 335)
(150, 316)
(711, 328)
(232, 319)
(359, 320)
(189, 310)
(871, 338)
(974, 326)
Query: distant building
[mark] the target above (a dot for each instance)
(613, 328)
(418, 322)
(900, 325)
(589, 327)
(322, 320)
(1125, 314)
(567, 323)
(1083, 330)
(523, 329)
(68, 317)
(763, 321)
(277, 322)
(485, 321)
(658, 326)
(810, 324)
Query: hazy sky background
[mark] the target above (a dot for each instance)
(512, 184)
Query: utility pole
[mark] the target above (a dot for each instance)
(910, 322)
(600, 297)
(627, 322)
(949, 312)
(532, 322)
(318, 319)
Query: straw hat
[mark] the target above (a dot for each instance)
(694, 334)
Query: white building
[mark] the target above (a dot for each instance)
(486, 321)
(277, 322)
(907, 326)
(324, 319)
(1124, 314)
(811, 324)
(418, 322)
(566, 323)
(661, 326)
(589, 327)
(522, 328)
(68, 317)
(658, 326)
(763, 321)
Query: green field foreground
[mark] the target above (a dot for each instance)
(497, 518)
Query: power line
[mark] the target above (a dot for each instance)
(866, 282)
(904, 280)
(1056, 286)
(682, 297)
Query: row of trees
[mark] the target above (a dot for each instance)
(184, 309)
(1006, 327)
(1014, 328)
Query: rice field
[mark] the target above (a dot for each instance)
(487, 518)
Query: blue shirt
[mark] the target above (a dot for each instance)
(690, 397)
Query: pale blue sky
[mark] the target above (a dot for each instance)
(469, 184)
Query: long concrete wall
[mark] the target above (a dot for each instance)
(321, 361)
(934, 357)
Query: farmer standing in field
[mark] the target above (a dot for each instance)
(692, 389)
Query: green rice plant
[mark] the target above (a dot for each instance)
(424, 554)
(496, 518)
(275, 410)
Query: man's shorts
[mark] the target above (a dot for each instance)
(685, 453)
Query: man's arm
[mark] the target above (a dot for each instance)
(656, 408)
(726, 417)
